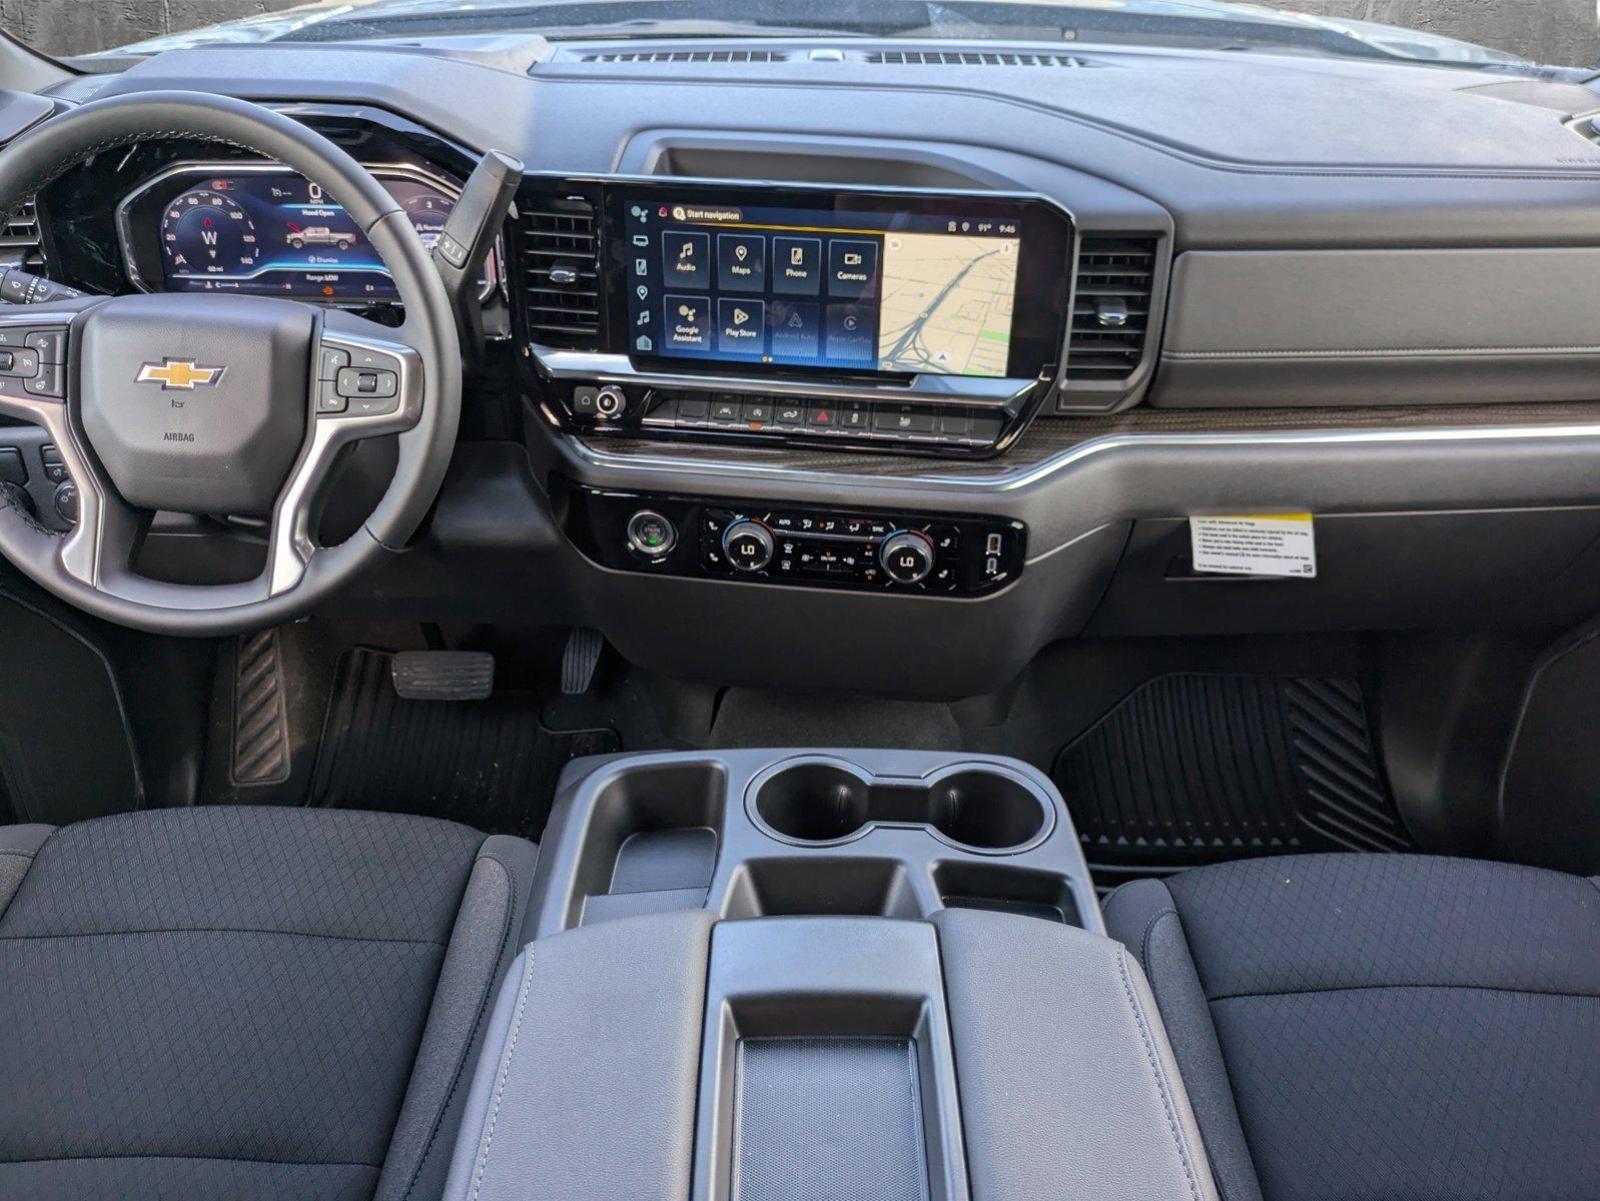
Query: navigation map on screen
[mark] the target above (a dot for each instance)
(895, 292)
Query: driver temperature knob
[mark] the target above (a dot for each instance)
(907, 556)
(748, 544)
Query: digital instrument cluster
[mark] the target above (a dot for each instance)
(268, 233)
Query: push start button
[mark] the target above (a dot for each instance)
(651, 535)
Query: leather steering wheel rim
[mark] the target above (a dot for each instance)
(299, 575)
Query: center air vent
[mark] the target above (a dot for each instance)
(1111, 307)
(19, 241)
(560, 272)
(685, 56)
(972, 58)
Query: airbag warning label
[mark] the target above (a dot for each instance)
(1283, 545)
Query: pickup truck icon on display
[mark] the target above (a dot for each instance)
(320, 235)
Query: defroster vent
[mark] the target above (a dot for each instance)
(1111, 307)
(558, 255)
(972, 58)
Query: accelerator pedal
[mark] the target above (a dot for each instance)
(580, 659)
(443, 675)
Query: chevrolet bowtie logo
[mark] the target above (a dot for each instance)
(183, 374)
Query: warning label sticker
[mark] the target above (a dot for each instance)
(1271, 544)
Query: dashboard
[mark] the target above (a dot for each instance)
(953, 348)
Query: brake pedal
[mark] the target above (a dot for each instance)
(580, 659)
(443, 675)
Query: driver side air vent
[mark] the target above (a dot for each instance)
(1111, 307)
(558, 253)
(19, 241)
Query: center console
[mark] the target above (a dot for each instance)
(909, 321)
(791, 975)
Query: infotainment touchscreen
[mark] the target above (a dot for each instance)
(831, 281)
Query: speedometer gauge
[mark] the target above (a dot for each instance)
(205, 232)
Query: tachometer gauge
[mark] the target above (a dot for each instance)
(206, 232)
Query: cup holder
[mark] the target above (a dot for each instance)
(979, 808)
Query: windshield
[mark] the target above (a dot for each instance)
(1462, 33)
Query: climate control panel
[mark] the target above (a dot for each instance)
(784, 544)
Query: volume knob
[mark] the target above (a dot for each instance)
(748, 545)
(907, 556)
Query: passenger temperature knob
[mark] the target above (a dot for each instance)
(907, 556)
(748, 544)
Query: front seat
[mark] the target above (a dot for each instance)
(1369, 1027)
(245, 1003)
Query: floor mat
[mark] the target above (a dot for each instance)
(1194, 768)
(489, 764)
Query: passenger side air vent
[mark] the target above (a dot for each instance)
(971, 58)
(560, 272)
(19, 242)
(1111, 307)
(685, 56)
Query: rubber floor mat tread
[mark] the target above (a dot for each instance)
(489, 764)
(1190, 768)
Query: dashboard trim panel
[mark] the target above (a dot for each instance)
(1002, 480)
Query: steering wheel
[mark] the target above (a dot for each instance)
(221, 404)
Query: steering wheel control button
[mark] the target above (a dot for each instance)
(373, 406)
(330, 361)
(748, 545)
(49, 344)
(46, 382)
(650, 535)
(357, 381)
(22, 363)
(55, 470)
(12, 470)
(907, 557)
(66, 502)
